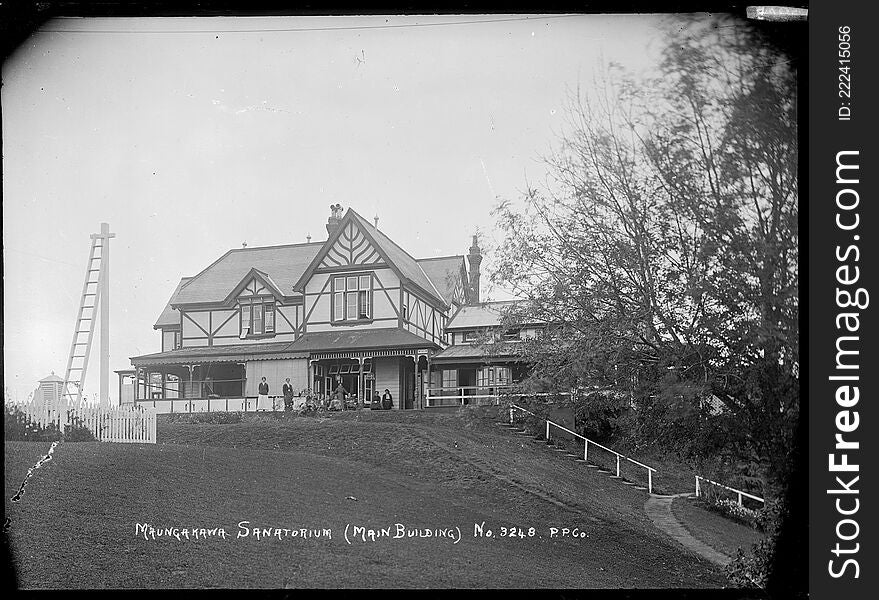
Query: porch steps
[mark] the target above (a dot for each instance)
(539, 439)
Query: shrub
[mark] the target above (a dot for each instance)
(752, 569)
(17, 427)
(77, 432)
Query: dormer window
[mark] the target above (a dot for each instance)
(352, 298)
(257, 317)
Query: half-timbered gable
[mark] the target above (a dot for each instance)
(350, 248)
(352, 298)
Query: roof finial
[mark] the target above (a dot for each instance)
(308, 237)
(244, 244)
(375, 218)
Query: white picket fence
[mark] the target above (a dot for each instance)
(123, 424)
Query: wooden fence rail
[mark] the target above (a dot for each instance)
(108, 424)
(738, 492)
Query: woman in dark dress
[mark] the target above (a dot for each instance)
(387, 400)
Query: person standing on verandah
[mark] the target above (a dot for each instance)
(263, 398)
(287, 390)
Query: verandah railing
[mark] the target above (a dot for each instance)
(459, 395)
(586, 442)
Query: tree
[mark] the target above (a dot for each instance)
(664, 248)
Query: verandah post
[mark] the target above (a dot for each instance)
(547, 430)
(618, 465)
(585, 450)
(697, 486)
(649, 481)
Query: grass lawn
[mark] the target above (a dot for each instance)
(75, 525)
(724, 535)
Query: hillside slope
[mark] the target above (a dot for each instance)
(372, 470)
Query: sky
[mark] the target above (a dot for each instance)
(191, 136)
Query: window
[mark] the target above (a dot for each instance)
(270, 318)
(257, 317)
(339, 299)
(511, 334)
(352, 298)
(470, 336)
(363, 302)
(405, 312)
(351, 305)
(257, 320)
(450, 378)
(491, 376)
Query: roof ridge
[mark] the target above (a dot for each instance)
(270, 247)
(364, 222)
(461, 256)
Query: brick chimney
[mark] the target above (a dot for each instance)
(334, 219)
(475, 259)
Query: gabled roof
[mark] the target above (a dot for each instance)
(400, 261)
(486, 314)
(169, 316)
(287, 267)
(408, 266)
(266, 280)
(444, 272)
(282, 264)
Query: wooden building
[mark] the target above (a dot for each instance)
(355, 310)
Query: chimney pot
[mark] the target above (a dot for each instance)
(334, 219)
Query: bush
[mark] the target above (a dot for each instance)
(17, 427)
(76, 432)
(752, 569)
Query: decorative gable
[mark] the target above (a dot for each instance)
(255, 283)
(254, 287)
(350, 248)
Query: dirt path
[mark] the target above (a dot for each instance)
(658, 508)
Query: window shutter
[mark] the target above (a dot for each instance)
(245, 320)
